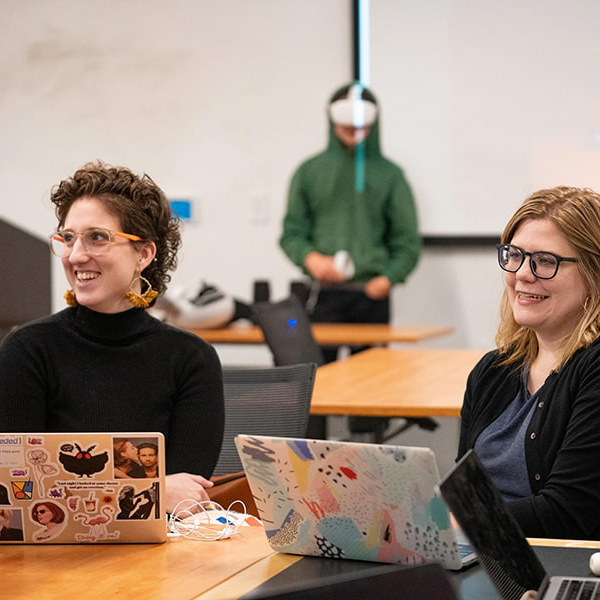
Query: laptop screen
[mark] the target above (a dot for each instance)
(484, 517)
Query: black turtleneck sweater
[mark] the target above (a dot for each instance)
(82, 371)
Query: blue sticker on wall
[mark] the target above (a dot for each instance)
(182, 208)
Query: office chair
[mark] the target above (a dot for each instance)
(264, 401)
(288, 334)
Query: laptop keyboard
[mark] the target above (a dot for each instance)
(573, 589)
(464, 550)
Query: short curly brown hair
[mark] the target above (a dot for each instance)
(140, 205)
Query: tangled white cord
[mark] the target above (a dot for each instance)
(205, 520)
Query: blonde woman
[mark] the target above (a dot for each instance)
(532, 407)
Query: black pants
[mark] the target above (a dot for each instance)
(348, 306)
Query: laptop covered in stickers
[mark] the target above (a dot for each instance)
(71, 488)
(351, 500)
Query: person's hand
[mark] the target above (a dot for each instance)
(378, 288)
(321, 267)
(184, 486)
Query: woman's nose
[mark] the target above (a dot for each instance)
(78, 251)
(525, 271)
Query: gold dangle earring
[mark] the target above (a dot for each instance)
(144, 300)
(70, 297)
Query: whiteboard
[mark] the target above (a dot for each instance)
(485, 102)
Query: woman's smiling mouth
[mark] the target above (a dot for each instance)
(86, 276)
(530, 297)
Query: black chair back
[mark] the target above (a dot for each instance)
(264, 401)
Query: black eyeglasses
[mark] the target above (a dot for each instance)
(543, 265)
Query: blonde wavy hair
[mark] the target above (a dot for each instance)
(575, 212)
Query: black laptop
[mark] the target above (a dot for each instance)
(497, 538)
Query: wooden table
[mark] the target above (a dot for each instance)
(180, 568)
(386, 382)
(331, 334)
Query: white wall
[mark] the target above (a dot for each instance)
(218, 102)
(457, 287)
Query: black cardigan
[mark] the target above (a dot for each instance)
(562, 443)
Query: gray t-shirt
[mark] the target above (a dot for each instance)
(501, 445)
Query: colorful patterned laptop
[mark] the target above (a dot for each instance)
(70, 488)
(350, 500)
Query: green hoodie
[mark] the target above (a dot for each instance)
(353, 199)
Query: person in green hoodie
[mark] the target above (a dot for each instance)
(351, 221)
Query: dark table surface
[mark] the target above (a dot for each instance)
(470, 584)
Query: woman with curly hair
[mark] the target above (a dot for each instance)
(104, 363)
(532, 407)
